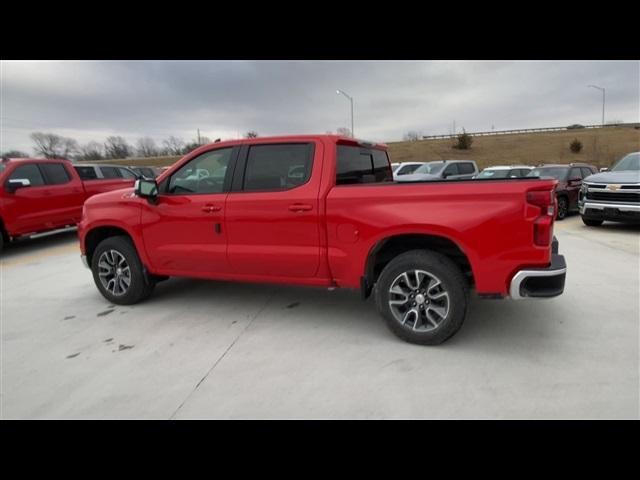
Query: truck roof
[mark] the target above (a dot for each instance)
(288, 138)
(34, 159)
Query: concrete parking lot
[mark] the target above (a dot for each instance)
(201, 349)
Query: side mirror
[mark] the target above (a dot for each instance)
(15, 183)
(604, 169)
(147, 188)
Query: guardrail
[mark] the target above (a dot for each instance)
(530, 130)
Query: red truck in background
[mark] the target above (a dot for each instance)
(322, 210)
(38, 195)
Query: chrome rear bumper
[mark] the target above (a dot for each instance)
(540, 282)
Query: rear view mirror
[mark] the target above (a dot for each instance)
(146, 188)
(15, 183)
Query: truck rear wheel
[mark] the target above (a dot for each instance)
(422, 296)
(563, 208)
(118, 272)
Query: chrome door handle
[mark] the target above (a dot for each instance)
(211, 208)
(300, 207)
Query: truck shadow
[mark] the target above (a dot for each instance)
(490, 325)
(28, 246)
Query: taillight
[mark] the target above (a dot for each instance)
(543, 225)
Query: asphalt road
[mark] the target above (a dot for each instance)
(201, 349)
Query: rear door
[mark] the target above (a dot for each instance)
(272, 212)
(466, 170)
(65, 192)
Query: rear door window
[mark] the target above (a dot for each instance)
(55, 173)
(30, 172)
(361, 165)
(278, 166)
(466, 168)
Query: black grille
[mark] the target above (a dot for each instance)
(614, 197)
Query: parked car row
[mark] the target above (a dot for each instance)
(598, 196)
(39, 195)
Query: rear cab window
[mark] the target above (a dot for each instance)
(110, 172)
(357, 165)
(86, 173)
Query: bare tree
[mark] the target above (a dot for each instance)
(117, 147)
(14, 154)
(146, 147)
(173, 146)
(90, 151)
(344, 131)
(51, 145)
(412, 136)
(251, 134)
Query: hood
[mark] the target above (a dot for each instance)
(111, 196)
(625, 176)
(417, 177)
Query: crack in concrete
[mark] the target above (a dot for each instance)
(215, 364)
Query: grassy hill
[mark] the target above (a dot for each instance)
(601, 147)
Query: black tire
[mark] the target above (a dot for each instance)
(139, 287)
(591, 222)
(452, 280)
(563, 208)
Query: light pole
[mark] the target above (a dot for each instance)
(340, 92)
(600, 88)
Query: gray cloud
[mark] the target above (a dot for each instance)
(91, 100)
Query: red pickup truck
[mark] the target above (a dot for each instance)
(323, 210)
(39, 195)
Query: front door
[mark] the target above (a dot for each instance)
(185, 230)
(28, 208)
(272, 214)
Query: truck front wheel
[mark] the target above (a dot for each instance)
(422, 296)
(118, 272)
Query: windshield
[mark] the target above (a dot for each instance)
(559, 173)
(432, 168)
(630, 162)
(2, 165)
(494, 174)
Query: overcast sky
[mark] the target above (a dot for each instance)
(92, 100)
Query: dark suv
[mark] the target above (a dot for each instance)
(569, 183)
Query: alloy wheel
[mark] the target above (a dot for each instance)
(418, 300)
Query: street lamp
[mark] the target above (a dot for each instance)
(340, 92)
(600, 88)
